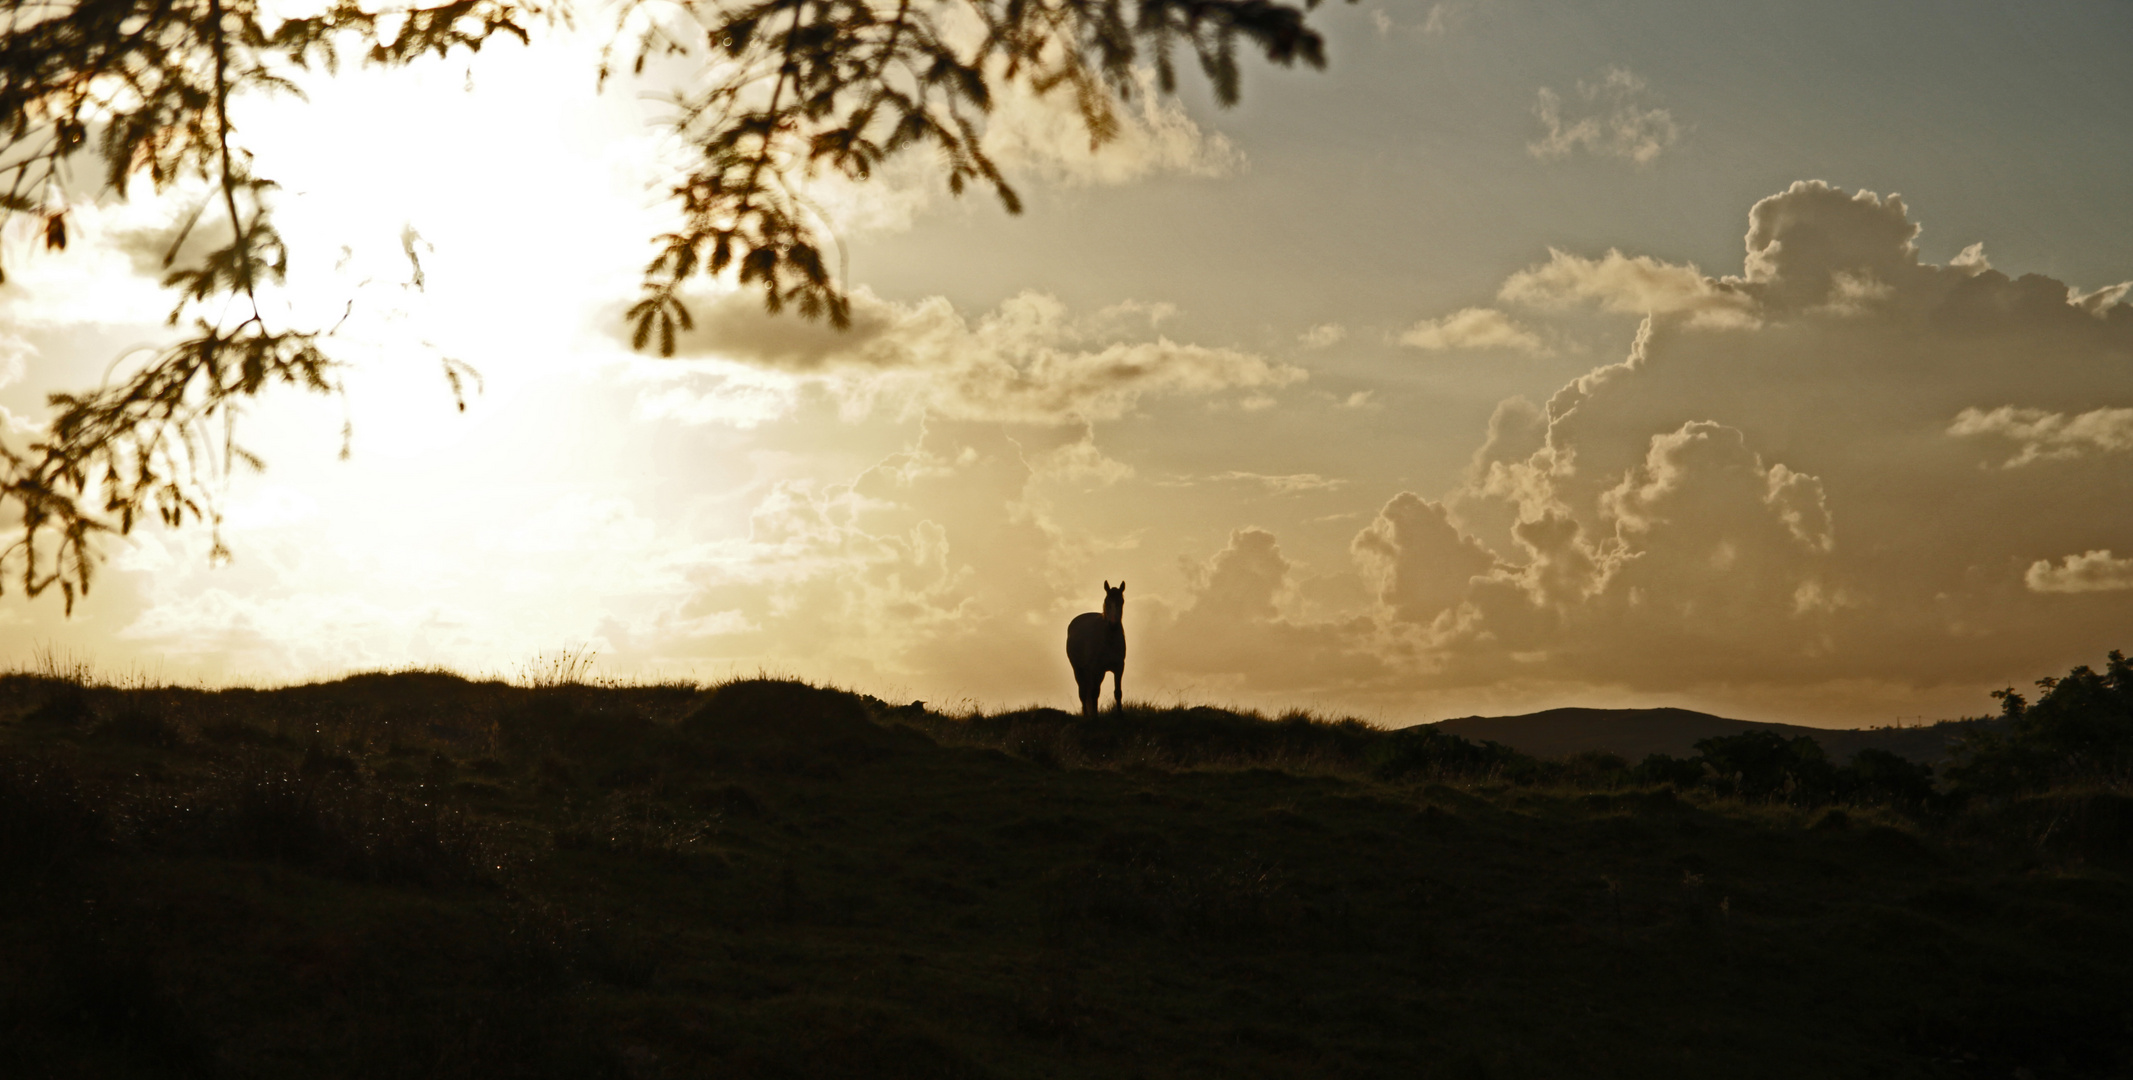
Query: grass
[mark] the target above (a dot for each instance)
(417, 874)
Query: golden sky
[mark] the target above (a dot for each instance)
(1527, 357)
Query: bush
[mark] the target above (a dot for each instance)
(1683, 773)
(2080, 731)
(1878, 776)
(1764, 764)
(1423, 752)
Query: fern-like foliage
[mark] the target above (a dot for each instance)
(812, 86)
(144, 86)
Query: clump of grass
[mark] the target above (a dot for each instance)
(563, 667)
(48, 662)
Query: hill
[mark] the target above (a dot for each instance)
(417, 875)
(1634, 733)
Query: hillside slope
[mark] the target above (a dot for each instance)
(1634, 733)
(422, 876)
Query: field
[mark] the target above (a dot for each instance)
(417, 875)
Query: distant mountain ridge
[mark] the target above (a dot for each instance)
(1634, 733)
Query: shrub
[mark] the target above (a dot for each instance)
(1882, 777)
(1683, 773)
(1764, 764)
(1596, 768)
(783, 726)
(1423, 752)
(2080, 730)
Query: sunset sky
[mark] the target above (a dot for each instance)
(1772, 360)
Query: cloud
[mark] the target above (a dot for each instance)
(1637, 285)
(1039, 138)
(938, 565)
(1044, 137)
(2095, 571)
(1238, 632)
(1768, 489)
(1423, 564)
(1026, 362)
(1473, 328)
(1617, 122)
(1078, 461)
(1439, 20)
(15, 355)
(712, 392)
(1283, 485)
(1323, 335)
(2048, 436)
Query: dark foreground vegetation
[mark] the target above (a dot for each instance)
(414, 875)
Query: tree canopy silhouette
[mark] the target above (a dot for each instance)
(2079, 731)
(802, 88)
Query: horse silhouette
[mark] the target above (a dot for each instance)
(1097, 644)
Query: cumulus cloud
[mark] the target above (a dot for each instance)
(1614, 120)
(1423, 564)
(1238, 629)
(1026, 362)
(2094, 571)
(2048, 436)
(1768, 488)
(1473, 328)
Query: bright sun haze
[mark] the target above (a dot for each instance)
(1772, 361)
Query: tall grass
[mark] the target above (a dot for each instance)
(564, 667)
(48, 662)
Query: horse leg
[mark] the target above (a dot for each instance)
(1118, 690)
(1091, 690)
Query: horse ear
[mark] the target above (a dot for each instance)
(1121, 584)
(1107, 584)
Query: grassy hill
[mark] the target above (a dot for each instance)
(1634, 733)
(417, 875)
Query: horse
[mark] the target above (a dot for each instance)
(1097, 644)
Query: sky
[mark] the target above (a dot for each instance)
(1773, 360)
